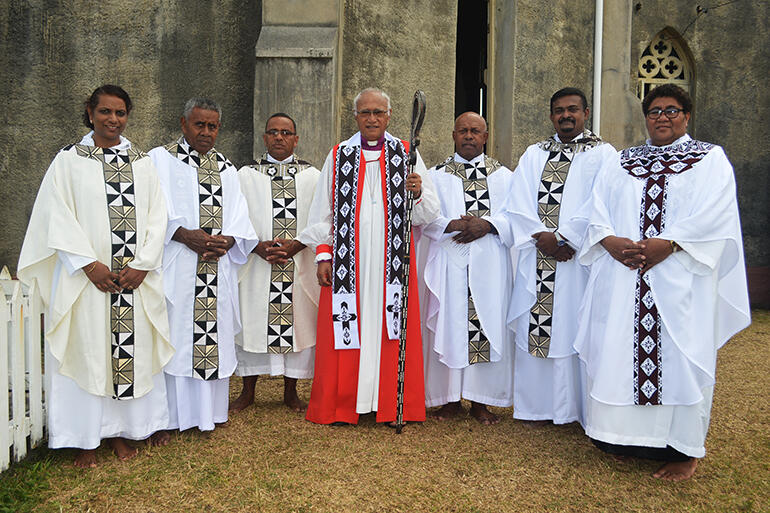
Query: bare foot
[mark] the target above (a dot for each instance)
(621, 458)
(448, 411)
(290, 397)
(483, 415)
(160, 438)
(122, 450)
(247, 395)
(677, 470)
(86, 458)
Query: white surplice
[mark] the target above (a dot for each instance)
(69, 228)
(484, 265)
(700, 293)
(254, 282)
(197, 402)
(370, 254)
(549, 388)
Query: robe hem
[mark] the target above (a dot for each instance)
(618, 439)
(260, 370)
(518, 415)
(70, 442)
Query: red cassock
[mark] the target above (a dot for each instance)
(335, 381)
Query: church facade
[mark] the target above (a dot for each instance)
(503, 58)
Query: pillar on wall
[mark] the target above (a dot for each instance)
(296, 59)
(622, 119)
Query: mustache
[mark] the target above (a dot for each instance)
(565, 120)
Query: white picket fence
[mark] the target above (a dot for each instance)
(21, 372)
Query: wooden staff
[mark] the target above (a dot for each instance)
(418, 116)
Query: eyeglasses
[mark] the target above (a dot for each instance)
(273, 132)
(376, 113)
(671, 113)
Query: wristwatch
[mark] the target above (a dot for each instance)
(675, 247)
(560, 241)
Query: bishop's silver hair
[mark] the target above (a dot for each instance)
(369, 90)
(201, 103)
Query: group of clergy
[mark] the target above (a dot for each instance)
(587, 285)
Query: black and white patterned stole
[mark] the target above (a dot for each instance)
(121, 207)
(549, 196)
(477, 203)
(205, 354)
(346, 182)
(654, 165)
(283, 193)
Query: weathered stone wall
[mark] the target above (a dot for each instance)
(401, 46)
(730, 47)
(540, 47)
(54, 53)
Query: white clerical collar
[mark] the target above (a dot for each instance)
(683, 139)
(477, 161)
(287, 160)
(355, 140)
(88, 140)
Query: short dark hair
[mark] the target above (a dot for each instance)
(281, 115)
(569, 91)
(668, 91)
(93, 100)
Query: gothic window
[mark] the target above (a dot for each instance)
(664, 61)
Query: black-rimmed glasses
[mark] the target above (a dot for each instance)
(671, 113)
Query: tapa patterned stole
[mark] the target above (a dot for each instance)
(121, 207)
(549, 195)
(346, 185)
(283, 192)
(205, 352)
(477, 203)
(653, 164)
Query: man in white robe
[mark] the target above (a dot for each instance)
(278, 287)
(93, 248)
(667, 289)
(552, 181)
(209, 236)
(354, 225)
(469, 277)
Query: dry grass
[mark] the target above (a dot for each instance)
(270, 459)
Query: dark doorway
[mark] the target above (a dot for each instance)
(472, 31)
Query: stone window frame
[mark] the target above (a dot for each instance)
(666, 60)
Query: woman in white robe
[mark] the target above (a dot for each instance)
(100, 202)
(657, 310)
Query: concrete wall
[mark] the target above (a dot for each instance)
(296, 64)
(730, 47)
(539, 47)
(53, 54)
(401, 46)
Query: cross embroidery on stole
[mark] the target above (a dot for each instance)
(344, 295)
